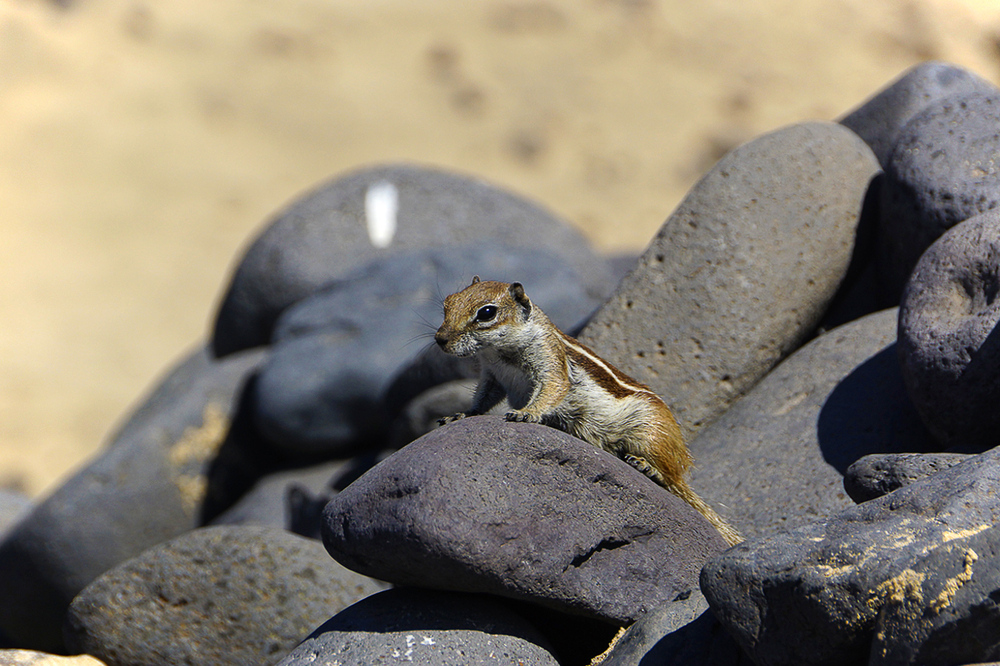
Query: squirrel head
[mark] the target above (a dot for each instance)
(484, 314)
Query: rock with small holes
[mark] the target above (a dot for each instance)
(949, 341)
(341, 362)
(907, 578)
(523, 511)
(881, 473)
(370, 214)
(155, 480)
(777, 458)
(427, 628)
(741, 272)
(943, 170)
(881, 118)
(216, 596)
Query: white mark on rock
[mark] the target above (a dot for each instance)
(381, 207)
(427, 641)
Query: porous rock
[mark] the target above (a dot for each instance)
(908, 578)
(943, 170)
(881, 473)
(214, 596)
(741, 272)
(523, 511)
(880, 119)
(776, 459)
(151, 483)
(424, 627)
(325, 234)
(339, 353)
(949, 342)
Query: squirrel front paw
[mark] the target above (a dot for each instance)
(451, 419)
(519, 415)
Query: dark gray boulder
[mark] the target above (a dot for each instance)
(880, 473)
(522, 511)
(424, 627)
(949, 342)
(214, 596)
(908, 578)
(777, 458)
(328, 232)
(340, 357)
(881, 118)
(741, 272)
(182, 449)
(943, 170)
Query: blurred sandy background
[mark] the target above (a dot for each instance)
(142, 144)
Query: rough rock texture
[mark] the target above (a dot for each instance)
(214, 596)
(776, 459)
(741, 272)
(949, 343)
(943, 170)
(880, 473)
(524, 511)
(338, 353)
(908, 578)
(152, 483)
(325, 234)
(881, 118)
(426, 628)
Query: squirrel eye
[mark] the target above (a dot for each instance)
(486, 313)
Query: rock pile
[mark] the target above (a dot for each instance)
(820, 312)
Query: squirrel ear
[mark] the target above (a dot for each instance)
(475, 279)
(517, 292)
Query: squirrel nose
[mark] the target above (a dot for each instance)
(441, 339)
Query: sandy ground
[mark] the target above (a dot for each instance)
(142, 144)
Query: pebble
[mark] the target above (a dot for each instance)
(544, 517)
(948, 338)
(329, 232)
(881, 473)
(216, 596)
(741, 272)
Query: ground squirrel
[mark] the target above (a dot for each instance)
(550, 378)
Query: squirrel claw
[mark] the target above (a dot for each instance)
(450, 419)
(519, 416)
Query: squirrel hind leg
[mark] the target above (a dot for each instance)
(644, 466)
(681, 489)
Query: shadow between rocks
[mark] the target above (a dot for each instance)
(869, 411)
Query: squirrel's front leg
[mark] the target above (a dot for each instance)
(489, 392)
(552, 390)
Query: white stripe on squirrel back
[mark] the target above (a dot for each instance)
(381, 207)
